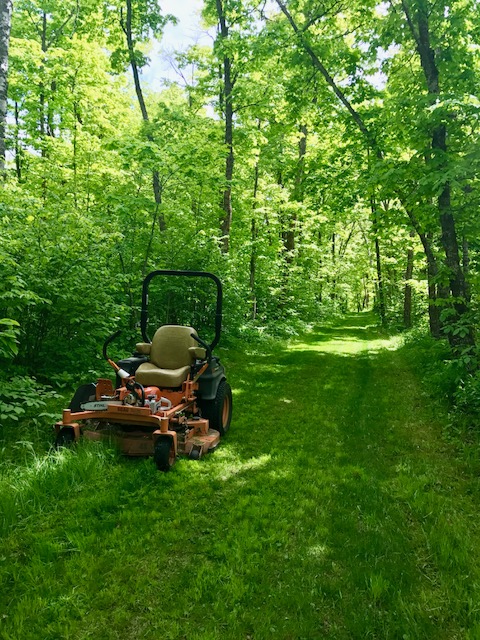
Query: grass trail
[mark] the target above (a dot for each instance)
(335, 508)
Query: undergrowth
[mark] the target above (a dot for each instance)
(452, 378)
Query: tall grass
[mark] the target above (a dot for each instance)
(26, 490)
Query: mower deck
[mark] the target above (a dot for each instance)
(140, 443)
(111, 423)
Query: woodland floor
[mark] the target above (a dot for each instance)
(336, 507)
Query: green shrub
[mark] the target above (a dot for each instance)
(23, 397)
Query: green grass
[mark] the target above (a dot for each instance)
(335, 508)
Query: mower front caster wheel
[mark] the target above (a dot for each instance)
(65, 438)
(195, 454)
(163, 454)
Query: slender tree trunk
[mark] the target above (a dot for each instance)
(466, 268)
(18, 146)
(254, 234)
(253, 268)
(42, 105)
(156, 184)
(378, 263)
(333, 252)
(297, 195)
(41, 99)
(366, 294)
(407, 294)
(227, 102)
(152, 235)
(433, 293)
(432, 274)
(319, 268)
(344, 244)
(5, 23)
(50, 111)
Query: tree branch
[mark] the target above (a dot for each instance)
(408, 16)
(331, 82)
(62, 27)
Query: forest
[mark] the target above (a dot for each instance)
(319, 157)
(322, 158)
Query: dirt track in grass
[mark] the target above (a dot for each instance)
(335, 508)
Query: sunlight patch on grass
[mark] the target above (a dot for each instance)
(350, 346)
(232, 466)
(317, 551)
(279, 473)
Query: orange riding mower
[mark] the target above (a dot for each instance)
(171, 397)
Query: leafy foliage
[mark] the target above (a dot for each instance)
(23, 397)
(324, 214)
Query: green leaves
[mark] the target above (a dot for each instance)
(9, 332)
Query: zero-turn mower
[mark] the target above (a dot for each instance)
(171, 397)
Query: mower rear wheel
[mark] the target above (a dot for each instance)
(65, 438)
(163, 454)
(218, 412)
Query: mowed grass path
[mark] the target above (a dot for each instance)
(335, 508)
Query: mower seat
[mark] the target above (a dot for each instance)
(172, 352)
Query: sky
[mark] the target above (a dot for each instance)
(188, 31)
(188, 14)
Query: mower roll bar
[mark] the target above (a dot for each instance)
(203, 344)
(108, 341)
(187, 274)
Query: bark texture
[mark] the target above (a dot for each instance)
(5, 23)
(227, 105)
(407, 294)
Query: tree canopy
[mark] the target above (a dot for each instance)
(320, 157)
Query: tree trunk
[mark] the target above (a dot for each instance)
(253, 268)
(466, 268)
(407, 295)
(18, 146)
(333, 251)
(378, 263)
(435, 324)
(41, 98)
(5, 23)
(156, 184)
(297, 195)
(433, 294)
(50, 111)
(226, 101)
(254, 234)
(421, 34)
